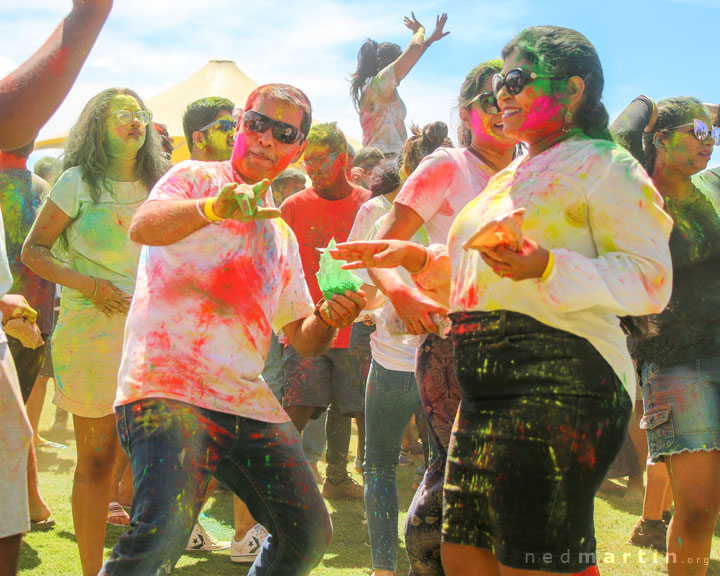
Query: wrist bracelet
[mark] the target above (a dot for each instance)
(96, 287)
(426, 262)
(210, 213)
(200, 211)
(317, 313)
(549, 266)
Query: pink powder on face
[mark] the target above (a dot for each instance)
(544, 109)
(239, 149)
(482, 127)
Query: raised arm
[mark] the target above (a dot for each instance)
(32, 93)
(628, 128)
(418, 44)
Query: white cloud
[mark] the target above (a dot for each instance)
(6, 65)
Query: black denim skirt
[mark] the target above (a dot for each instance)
(542, 417)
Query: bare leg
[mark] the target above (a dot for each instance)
(694, 480)
(638, 436)
(243, 519)
(10, 554)
(300, 415)
(120, 468)
(97, 445)
(34, 407)
(459, 560)
(658, 483)
(38, 508)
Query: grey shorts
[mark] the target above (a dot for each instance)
(330, 378)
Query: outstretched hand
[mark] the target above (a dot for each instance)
(15, 306)
(412, 23)
(438, 32)
(380, 254)
(240, 202)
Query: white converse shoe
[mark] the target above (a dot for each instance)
(202, 540)
(247, 549)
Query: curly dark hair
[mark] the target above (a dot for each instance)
(85, 145)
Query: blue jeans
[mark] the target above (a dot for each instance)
(390, 401)
(175, 448)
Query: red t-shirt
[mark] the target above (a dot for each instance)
(315, 221)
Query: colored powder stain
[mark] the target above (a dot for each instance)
(576, 215)
(59, 62)
(546, 108)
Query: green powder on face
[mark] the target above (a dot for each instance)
(332, 279)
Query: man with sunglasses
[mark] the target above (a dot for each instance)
(218, 272)
(317, 214)
(209, 129)
(210, 133)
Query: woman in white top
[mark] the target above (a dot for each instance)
(111, 163)
(443, 183)
(575, 237)
(373, 86)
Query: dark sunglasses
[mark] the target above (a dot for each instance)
(488, 103)
(225, 125)
(281, 131)
(701, 131)
(515, 80)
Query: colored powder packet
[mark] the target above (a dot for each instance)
(331, 277)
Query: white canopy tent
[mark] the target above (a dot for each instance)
(217, 78)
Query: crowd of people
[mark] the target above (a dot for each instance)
(514, 302)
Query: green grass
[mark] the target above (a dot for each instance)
(54, 553)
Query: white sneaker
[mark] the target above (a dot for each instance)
(202, 540)
(247, 549)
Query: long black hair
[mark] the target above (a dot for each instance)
(85, 145)
(372, 57)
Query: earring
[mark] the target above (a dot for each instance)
(567, 122)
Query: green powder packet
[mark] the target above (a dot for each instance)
(332, 279)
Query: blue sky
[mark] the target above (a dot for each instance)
(661, 48)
